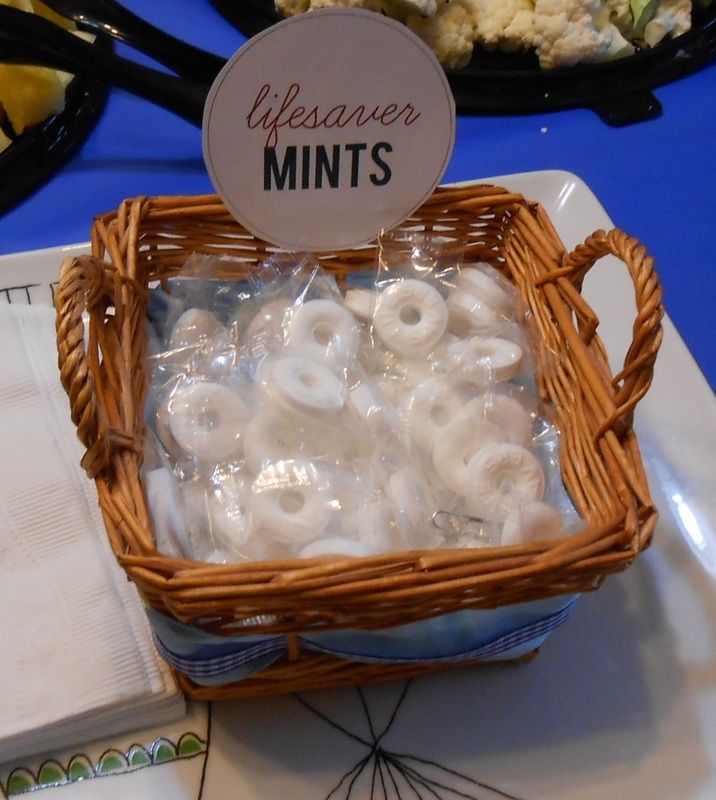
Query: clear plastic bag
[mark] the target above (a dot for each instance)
(272, 440)
(452, 351)
(289, 419)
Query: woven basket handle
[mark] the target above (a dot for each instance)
(86, 286)
(633, 381)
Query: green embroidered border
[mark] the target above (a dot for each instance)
(111, 762)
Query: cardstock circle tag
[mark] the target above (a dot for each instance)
(328, 128)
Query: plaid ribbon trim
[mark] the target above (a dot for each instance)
(216, 666)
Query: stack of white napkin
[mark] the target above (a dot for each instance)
(77, 660)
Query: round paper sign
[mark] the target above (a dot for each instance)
(328, 128)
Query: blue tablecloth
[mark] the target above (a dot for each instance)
(655, 179)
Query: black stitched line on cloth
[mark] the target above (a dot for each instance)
(406, 778)
(400, 702)
(358, 768)
(402, 770)
(206, 752)
(361, 766)
(398, 767)
(392, 778)
(379, 761)
(429, 782)
(330, 722)
(427, 762)
(7, 289)
(373, 776)
(364, 703)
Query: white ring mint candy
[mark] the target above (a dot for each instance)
(477, 283)
(271, 437)
(370, 408)
(430, 409)
(407, 497)
(229, 518)
(508, 414)
(162, 420)
(501, 478)
(324, 331)
(457, 444)
(441, 362)
(468, 314)
(361, 303)
(466, 387)
(195, 510)
(532, 523)
(364, 401)
(334, 546)
(415, 371)
(292, 514)
(303, 386)
(393, 389)
(374, 526)
(207, 420)
(213, 539)
(265, 330)
(410, 317)
(489, 359)
(170, 533)
(195, 327)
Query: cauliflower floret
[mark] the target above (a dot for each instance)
(370, 5)
(507, 24)
(671, 18)
(520, 33)
(450, 33)
(621, 15)
(394, 8)
(400, 9)
(289, 8)
(567, 32)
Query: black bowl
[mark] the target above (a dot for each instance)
(507, 83)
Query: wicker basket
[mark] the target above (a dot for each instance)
(148, 239)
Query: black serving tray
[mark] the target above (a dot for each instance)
(41, 150)
(502, 83)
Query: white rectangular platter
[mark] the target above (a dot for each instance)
(621, 703)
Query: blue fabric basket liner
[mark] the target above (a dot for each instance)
(501, 634)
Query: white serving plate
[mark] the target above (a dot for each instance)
(621, 703)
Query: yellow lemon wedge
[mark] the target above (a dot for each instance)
(20, 5)
(4, 141)
(45, 11)
(31, 94)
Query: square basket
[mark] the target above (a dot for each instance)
(272, 608)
